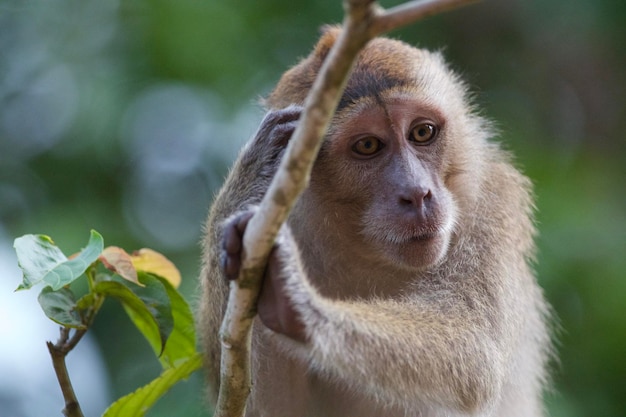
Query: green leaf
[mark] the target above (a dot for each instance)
(156, 299)
(182, 340)
(60, 307)
(148, 309)
(85, 301)
(137, 403)
(42, 261)
(36, 255)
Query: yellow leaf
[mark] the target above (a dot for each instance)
(148, 260)
(117, 260)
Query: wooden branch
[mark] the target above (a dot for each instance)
(58, 352)
(364, 20)
(412, 11)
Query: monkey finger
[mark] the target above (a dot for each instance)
(273, 119)
(275, 308)
(232, 232)
(231, 267)
(286, 115)
(281, 134)
(243, 221)
(231, 240)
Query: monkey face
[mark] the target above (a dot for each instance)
(384, 159)
(396, 169)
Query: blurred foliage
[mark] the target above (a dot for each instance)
(124, 116)
(144, 282)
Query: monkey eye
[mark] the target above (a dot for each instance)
(423, 133)
(367, 146)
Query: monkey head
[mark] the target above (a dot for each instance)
(397, 147)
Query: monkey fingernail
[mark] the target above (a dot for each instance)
(243, 221)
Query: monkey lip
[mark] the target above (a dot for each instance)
(417, 237)
(410, 236)
(424, 237)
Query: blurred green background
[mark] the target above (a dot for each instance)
(123, 116)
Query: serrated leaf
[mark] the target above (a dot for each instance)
(155, 329)
(148, 260)
(119, 261)
(43, 262)
(139, 402)
(60, 307)
(182, 341)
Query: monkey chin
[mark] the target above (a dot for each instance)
(419, 252)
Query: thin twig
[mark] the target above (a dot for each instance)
(364, 20)
(412, 11)
(58, 352)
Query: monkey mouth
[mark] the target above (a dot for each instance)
(418, 249)
(405, 233)
(406, 236)
(413, 237)
(424, 237)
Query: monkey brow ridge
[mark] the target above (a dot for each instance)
(366, 83)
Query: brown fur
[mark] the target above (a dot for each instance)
(457, 330)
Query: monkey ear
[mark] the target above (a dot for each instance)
(328, 37)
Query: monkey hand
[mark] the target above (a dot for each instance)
(270, 140)
(276, 308)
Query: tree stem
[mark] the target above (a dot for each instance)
(58, 352)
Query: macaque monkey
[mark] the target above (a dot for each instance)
(401, 284)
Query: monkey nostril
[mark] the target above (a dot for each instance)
(415, 198)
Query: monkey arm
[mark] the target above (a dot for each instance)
(419, 350)
(245, 186)
(405, 351)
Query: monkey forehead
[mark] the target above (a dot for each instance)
(399, 70)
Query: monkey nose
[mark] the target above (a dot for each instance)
(415, 198)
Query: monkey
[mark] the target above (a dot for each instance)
(402, 283)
